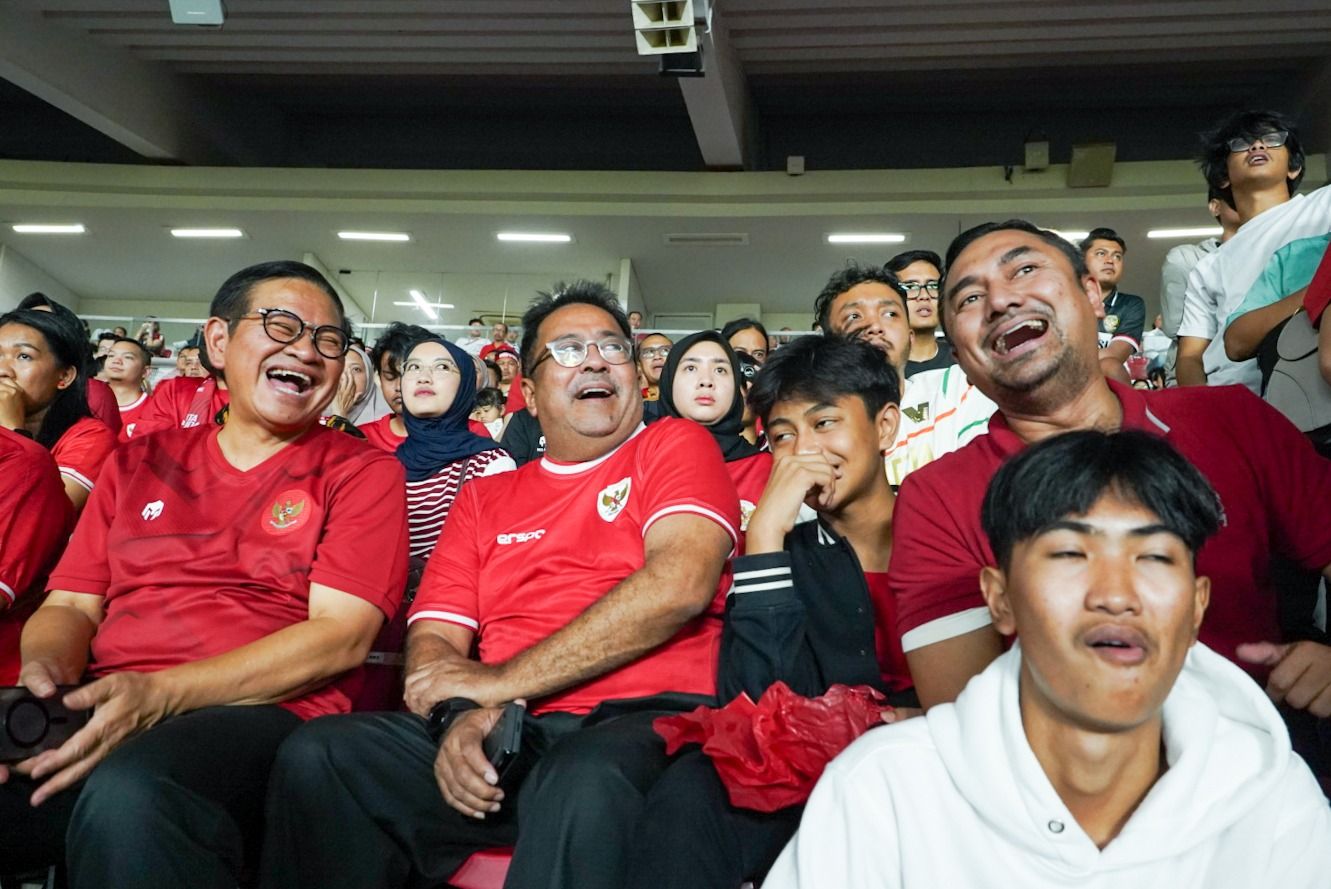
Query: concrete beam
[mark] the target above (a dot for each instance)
(719, 104)
(142, 105)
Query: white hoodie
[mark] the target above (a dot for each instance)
(957, 799)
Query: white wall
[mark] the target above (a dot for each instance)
(19, 276)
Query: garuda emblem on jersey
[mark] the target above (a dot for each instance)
(1111, 323)
(746, 510)
(287, 513)
(612, 499)
(917, 414)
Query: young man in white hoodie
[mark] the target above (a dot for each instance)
(1107, 747)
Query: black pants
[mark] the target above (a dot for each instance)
(690, 836)
(179, 805)
(354, 803)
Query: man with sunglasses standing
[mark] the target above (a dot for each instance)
(214, 596)
(918, 272)
(588, 597)
(1255, 158)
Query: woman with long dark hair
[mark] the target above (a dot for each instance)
(43, 394)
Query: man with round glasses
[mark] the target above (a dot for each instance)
(918, 272)
(589, 596)
(215, 595)
(1256, 158)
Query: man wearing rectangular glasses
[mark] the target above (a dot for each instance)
(1256, 157)
(214, 596)
(584, 582)
(918, 272)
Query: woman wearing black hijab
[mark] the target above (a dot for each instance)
(702, 382)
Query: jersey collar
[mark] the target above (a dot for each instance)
(1137, 414)
(577, 468)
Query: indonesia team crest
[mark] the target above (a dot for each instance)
(612, 500)
(745, 513)
(1111, 323)
(288, 512)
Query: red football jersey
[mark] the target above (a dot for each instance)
(380, 434)
(196, 558)
(102, 403)
(35, 520)
(83, 449)
(181, 403)
(750, 475)
(130, 414)
(526, 552)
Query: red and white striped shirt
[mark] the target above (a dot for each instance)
(429, 499)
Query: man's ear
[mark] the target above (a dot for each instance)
(1094, 294)
(887, 423)
(216, 335)
(529, 394)
(993, 585)
(1201, 591)
(1213, 207)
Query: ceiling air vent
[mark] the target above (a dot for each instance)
(703, 239)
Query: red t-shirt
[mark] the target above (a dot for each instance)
(526, 552)
(1272, 485)
(102, 402)
(181, 403)
(750, 476)
(130, 414)
(380, 433)
(887, 644)
(35, 520)
(82, 450)
(196, 558)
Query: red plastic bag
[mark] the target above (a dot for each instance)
(770, 754)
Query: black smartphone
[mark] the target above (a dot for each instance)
(29, 724)
(504, 742)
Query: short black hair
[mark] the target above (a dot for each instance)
(64, 337)
(971, 235)
(143, 350)
(1220, 194)
(1065, 475)
(822, 369)
(233, 297)
(1214, 159)
(108, 335)
(1102, 234)
(739, 325)
(395, 342)
(910, 257)
(489, 397)
(848, 276)
(587, 293)
(475, 321)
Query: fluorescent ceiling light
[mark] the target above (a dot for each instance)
(374, 236)
(867, 238)
(24, 228)
(207, 233)
(1205, 231)
(1074, 237)
(535, 237)
(424, 305)
(432, 305)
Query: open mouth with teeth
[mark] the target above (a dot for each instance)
(591, 392)
(1025, 332)
(1118, 645)
(291, 381)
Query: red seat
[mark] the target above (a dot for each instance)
(483, 870)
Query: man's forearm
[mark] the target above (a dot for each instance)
(1189, 369)
(1245, 335)
(59, 636)
(638, 614)
(275, 668)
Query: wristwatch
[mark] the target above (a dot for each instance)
(443, 713)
